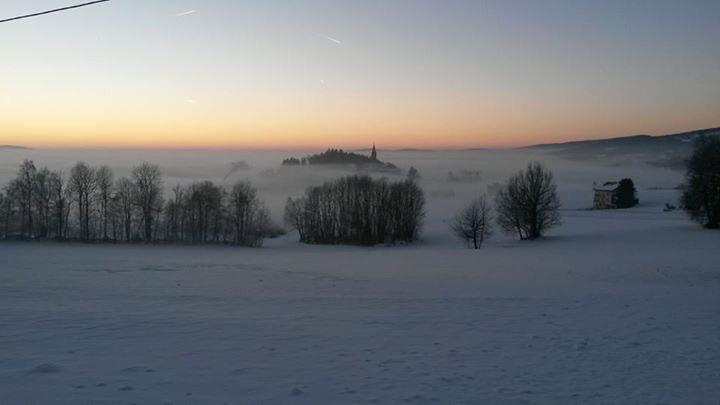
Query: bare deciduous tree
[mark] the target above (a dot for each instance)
(42, 199)
(6, 214)
(528, 203)
(148, 196)
(293, 216)
(104, 179)
(473, 224)
(248, 218)
(83, 185)
(125, 205)
(59, 195)
(26, 187)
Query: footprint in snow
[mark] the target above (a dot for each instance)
(133, 369)
(46, 368)
(583, 345)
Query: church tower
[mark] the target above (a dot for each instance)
(373, 154)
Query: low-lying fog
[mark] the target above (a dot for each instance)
(276, 183)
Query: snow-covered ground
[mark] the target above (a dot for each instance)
(612, 307)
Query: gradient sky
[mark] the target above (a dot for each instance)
(311, 74)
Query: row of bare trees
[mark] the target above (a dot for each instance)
(526, 205)
(358, 210)
(204, 212)
(89, 204)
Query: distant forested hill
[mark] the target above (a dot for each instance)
(340, 157)
(664, 150)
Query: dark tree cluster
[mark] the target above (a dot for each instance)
(89, 204)
(203, 212)
(293, 161)
(36, 204)
(701, 198)
(331, 157)
(358, 210)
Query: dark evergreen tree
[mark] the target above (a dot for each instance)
(626, 194)
(701, 198)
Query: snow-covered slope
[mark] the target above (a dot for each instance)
(614, 307)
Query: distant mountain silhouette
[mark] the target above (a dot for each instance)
(12, 147)
(664, 150)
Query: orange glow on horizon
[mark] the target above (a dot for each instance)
(218, 126)
(218, 137)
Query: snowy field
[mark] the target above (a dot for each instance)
(612, 307)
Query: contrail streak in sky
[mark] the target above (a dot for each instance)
(184, 13)
(337, 41)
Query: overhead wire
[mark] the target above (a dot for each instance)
(20, 17)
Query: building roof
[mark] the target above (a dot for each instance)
(606, 186)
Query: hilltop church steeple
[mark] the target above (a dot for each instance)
(373, 154)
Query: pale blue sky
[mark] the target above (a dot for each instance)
(454, 73)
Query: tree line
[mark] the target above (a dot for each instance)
(358, 210)
(89, 204)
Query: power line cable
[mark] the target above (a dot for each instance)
(52, 11)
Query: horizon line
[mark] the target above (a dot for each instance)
(310, 148)
(260, 149)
